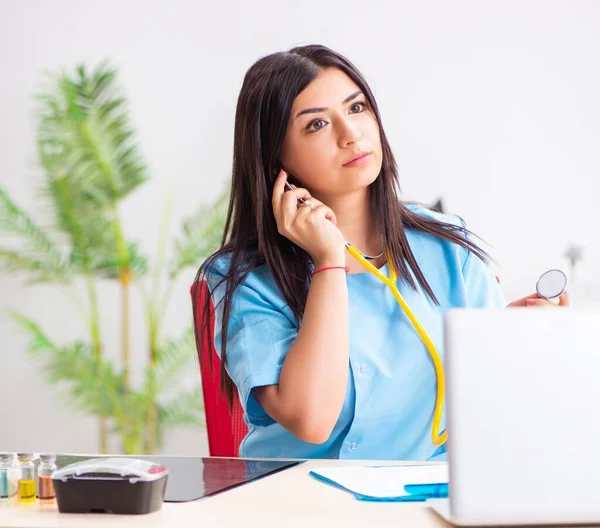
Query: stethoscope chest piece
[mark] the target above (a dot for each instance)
(551, 284)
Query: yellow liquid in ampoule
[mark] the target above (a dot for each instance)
(27, 491)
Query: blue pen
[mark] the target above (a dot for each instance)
(430, 491)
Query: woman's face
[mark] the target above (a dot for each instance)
(330, 125)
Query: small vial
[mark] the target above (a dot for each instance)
(6, 460)
(13, 475)
(45, 487)
(27, 480)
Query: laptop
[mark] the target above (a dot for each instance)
(523, 414)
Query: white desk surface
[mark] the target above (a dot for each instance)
(289, 498)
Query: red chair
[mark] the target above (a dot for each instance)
(225, 430)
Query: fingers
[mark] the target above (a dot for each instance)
(316, 212)
(288, 209)
(285, 202)
(523, 301)
(534, 300)
(278, 190)
(539, 303)
(290, 205)
(330, 215)
(564, 299)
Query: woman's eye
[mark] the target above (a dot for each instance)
(358, 107)
(315, 125)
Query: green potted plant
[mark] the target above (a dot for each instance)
(91, 165)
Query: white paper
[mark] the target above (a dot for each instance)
(386, 481)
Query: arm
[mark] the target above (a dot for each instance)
(312, 386)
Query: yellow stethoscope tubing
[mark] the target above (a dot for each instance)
(436, 438)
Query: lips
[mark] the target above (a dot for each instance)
(357, 159)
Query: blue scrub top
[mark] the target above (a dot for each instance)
(388, 410)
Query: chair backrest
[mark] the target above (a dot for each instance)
(225, 429)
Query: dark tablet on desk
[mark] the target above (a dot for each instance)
(191, 478)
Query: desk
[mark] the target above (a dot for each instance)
(290, 498)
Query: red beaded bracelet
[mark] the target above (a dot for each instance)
(347, 268)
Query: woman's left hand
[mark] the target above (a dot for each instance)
(535, 301)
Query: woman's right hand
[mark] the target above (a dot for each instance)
(314, 230)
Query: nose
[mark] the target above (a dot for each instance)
(348, 132)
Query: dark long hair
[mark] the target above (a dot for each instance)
(250, 237)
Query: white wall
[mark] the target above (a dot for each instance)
(494, 105)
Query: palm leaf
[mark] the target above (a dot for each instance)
(14, 262)
(184, 409)
(86, 227)
(88, 117)
(201, 235)
(35, 253)
(174, 356)
(85, 147)
(111, 266)
(89, 384)
(135, 405)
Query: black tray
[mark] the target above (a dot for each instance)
(191, 478)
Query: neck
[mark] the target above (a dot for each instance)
(356, 220)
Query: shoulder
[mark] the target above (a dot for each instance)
(452, 267)
(258, 283)
(426, 212)
(429, 245)
(453, 262)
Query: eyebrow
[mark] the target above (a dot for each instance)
(323, 109)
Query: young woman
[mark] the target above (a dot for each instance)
(324, 360)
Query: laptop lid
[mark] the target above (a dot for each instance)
(523, 404)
